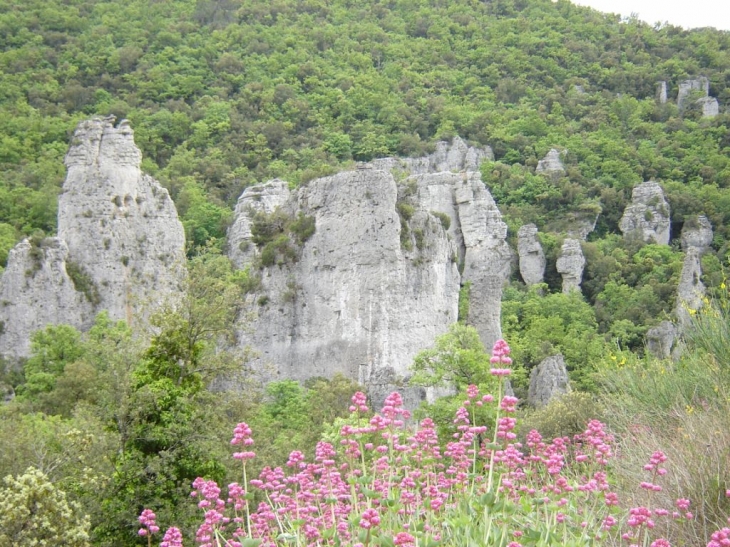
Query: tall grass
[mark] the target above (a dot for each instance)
(681, 408)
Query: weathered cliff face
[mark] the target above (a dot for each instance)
(532, 257)
(686, 87)
(648, 215)
(119, 223)
(36, 290)
(370, 288)
(120, 245)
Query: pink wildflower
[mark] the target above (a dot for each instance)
(172, 538)
(661, 543)
(359, 402)
(147, 520)
(404, 539)
(242, 435)
(721, 538)
(682, 504)
(369, 519)
(508, 403)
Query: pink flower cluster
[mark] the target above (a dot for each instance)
(147, 520)
(173, 538)
(242, 436)
(500, 356)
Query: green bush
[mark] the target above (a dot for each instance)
(563, 416)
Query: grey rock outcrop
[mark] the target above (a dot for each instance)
(697, 233)
(454, 156)
(570, 264)
(36, 291)
(690, 290)
(532, 257)
(661, 92)
(648, 215)
(581, 225)
(370, 288)
(551, 164)
(686, 87)
(261, 198)
(548, 379)
(708, 105)
(119, 223)
(120, 245)
(660, 339)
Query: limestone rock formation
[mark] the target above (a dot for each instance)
(570, 264)
(36, 290)
(120, 245)
(262, 198)
(660, 339)
(661, 92)
(372, 287)
(690, 290)
(119, 223)
(708, 105)
(697, 233)
(455, 156)
(532, 257)
(648, 215)
(580, 225)
(551, 164)
(548, 379)
(686, 87)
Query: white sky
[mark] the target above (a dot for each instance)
(683, 13)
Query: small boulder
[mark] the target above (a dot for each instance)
(548, 379)
(660, 339)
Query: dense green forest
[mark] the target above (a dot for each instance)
(223, 94)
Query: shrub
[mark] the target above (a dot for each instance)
(563, 416)
(443, 218)
(35, 512)
(83, 282)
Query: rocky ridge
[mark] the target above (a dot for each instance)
(454, 156)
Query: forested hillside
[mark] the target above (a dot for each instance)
(224, 94)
